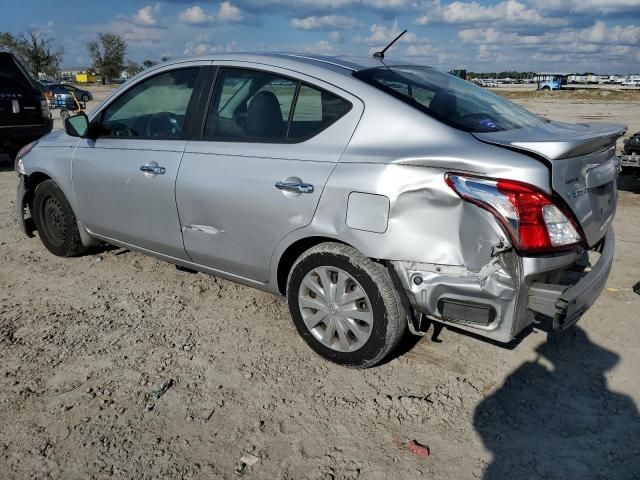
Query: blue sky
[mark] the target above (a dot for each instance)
(482, 35)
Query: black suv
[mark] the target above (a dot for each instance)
(24, 114)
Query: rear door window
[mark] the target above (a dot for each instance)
(258, 106)
(250, 106)
(315, 111)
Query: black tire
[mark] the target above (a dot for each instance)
(390, 317)
(546, 88)
(55, 221)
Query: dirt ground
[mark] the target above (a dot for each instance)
(118, 365)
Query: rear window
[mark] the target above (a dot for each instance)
(449, 99)
(11, 77)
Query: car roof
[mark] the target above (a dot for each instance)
(345, 63)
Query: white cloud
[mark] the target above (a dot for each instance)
(195, 16)
(506, 12)
(425, 50)
(335, 37)
(227, 13)
(280, 6)
(142, 27)
(204, 47)
(599, 33)
(594, 48)
(145, 16)
(323, 46)
(326, 22)
(605, 7)
(382, 35)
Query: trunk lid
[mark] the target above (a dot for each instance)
(583, 165)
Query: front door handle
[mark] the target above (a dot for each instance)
(294, 187)
(155, 169)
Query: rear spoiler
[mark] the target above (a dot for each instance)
(556, 140)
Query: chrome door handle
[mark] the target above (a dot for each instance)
(156, 170)
(295, 187)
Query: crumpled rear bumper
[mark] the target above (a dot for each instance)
(505, 296)
(566, 303)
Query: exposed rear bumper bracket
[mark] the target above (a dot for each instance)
(566, 303)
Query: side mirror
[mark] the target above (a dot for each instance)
(77, 126)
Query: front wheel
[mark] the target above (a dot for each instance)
(55, 221)
(345, 305)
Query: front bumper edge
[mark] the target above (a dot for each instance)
(24, 221)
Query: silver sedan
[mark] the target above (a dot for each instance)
(377, 196)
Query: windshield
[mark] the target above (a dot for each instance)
(449, 99)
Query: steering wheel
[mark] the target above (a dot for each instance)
(120, 130)
(163, 124)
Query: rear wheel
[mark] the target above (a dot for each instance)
(55, 221)
(345, 305)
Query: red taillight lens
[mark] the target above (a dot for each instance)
(534, 222)
(532, 230)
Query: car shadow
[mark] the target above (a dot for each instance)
(555, 417)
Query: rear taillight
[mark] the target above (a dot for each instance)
(533, 220)
(44, 108)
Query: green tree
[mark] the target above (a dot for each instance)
(7, 42)
(132, 68)
(148, 63)
(107, 52)
(36, 50)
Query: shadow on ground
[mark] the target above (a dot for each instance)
(556, 417)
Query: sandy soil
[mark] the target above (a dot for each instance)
(118, 365)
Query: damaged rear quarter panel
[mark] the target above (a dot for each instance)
(427, 222)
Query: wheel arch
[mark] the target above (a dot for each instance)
(31, 183)
(36, 178)
(293, 252)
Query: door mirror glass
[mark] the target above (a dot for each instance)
(77, 126)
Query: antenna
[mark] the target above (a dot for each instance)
(381, 53)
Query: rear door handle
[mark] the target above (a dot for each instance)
(155, 169)
(295, 187)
